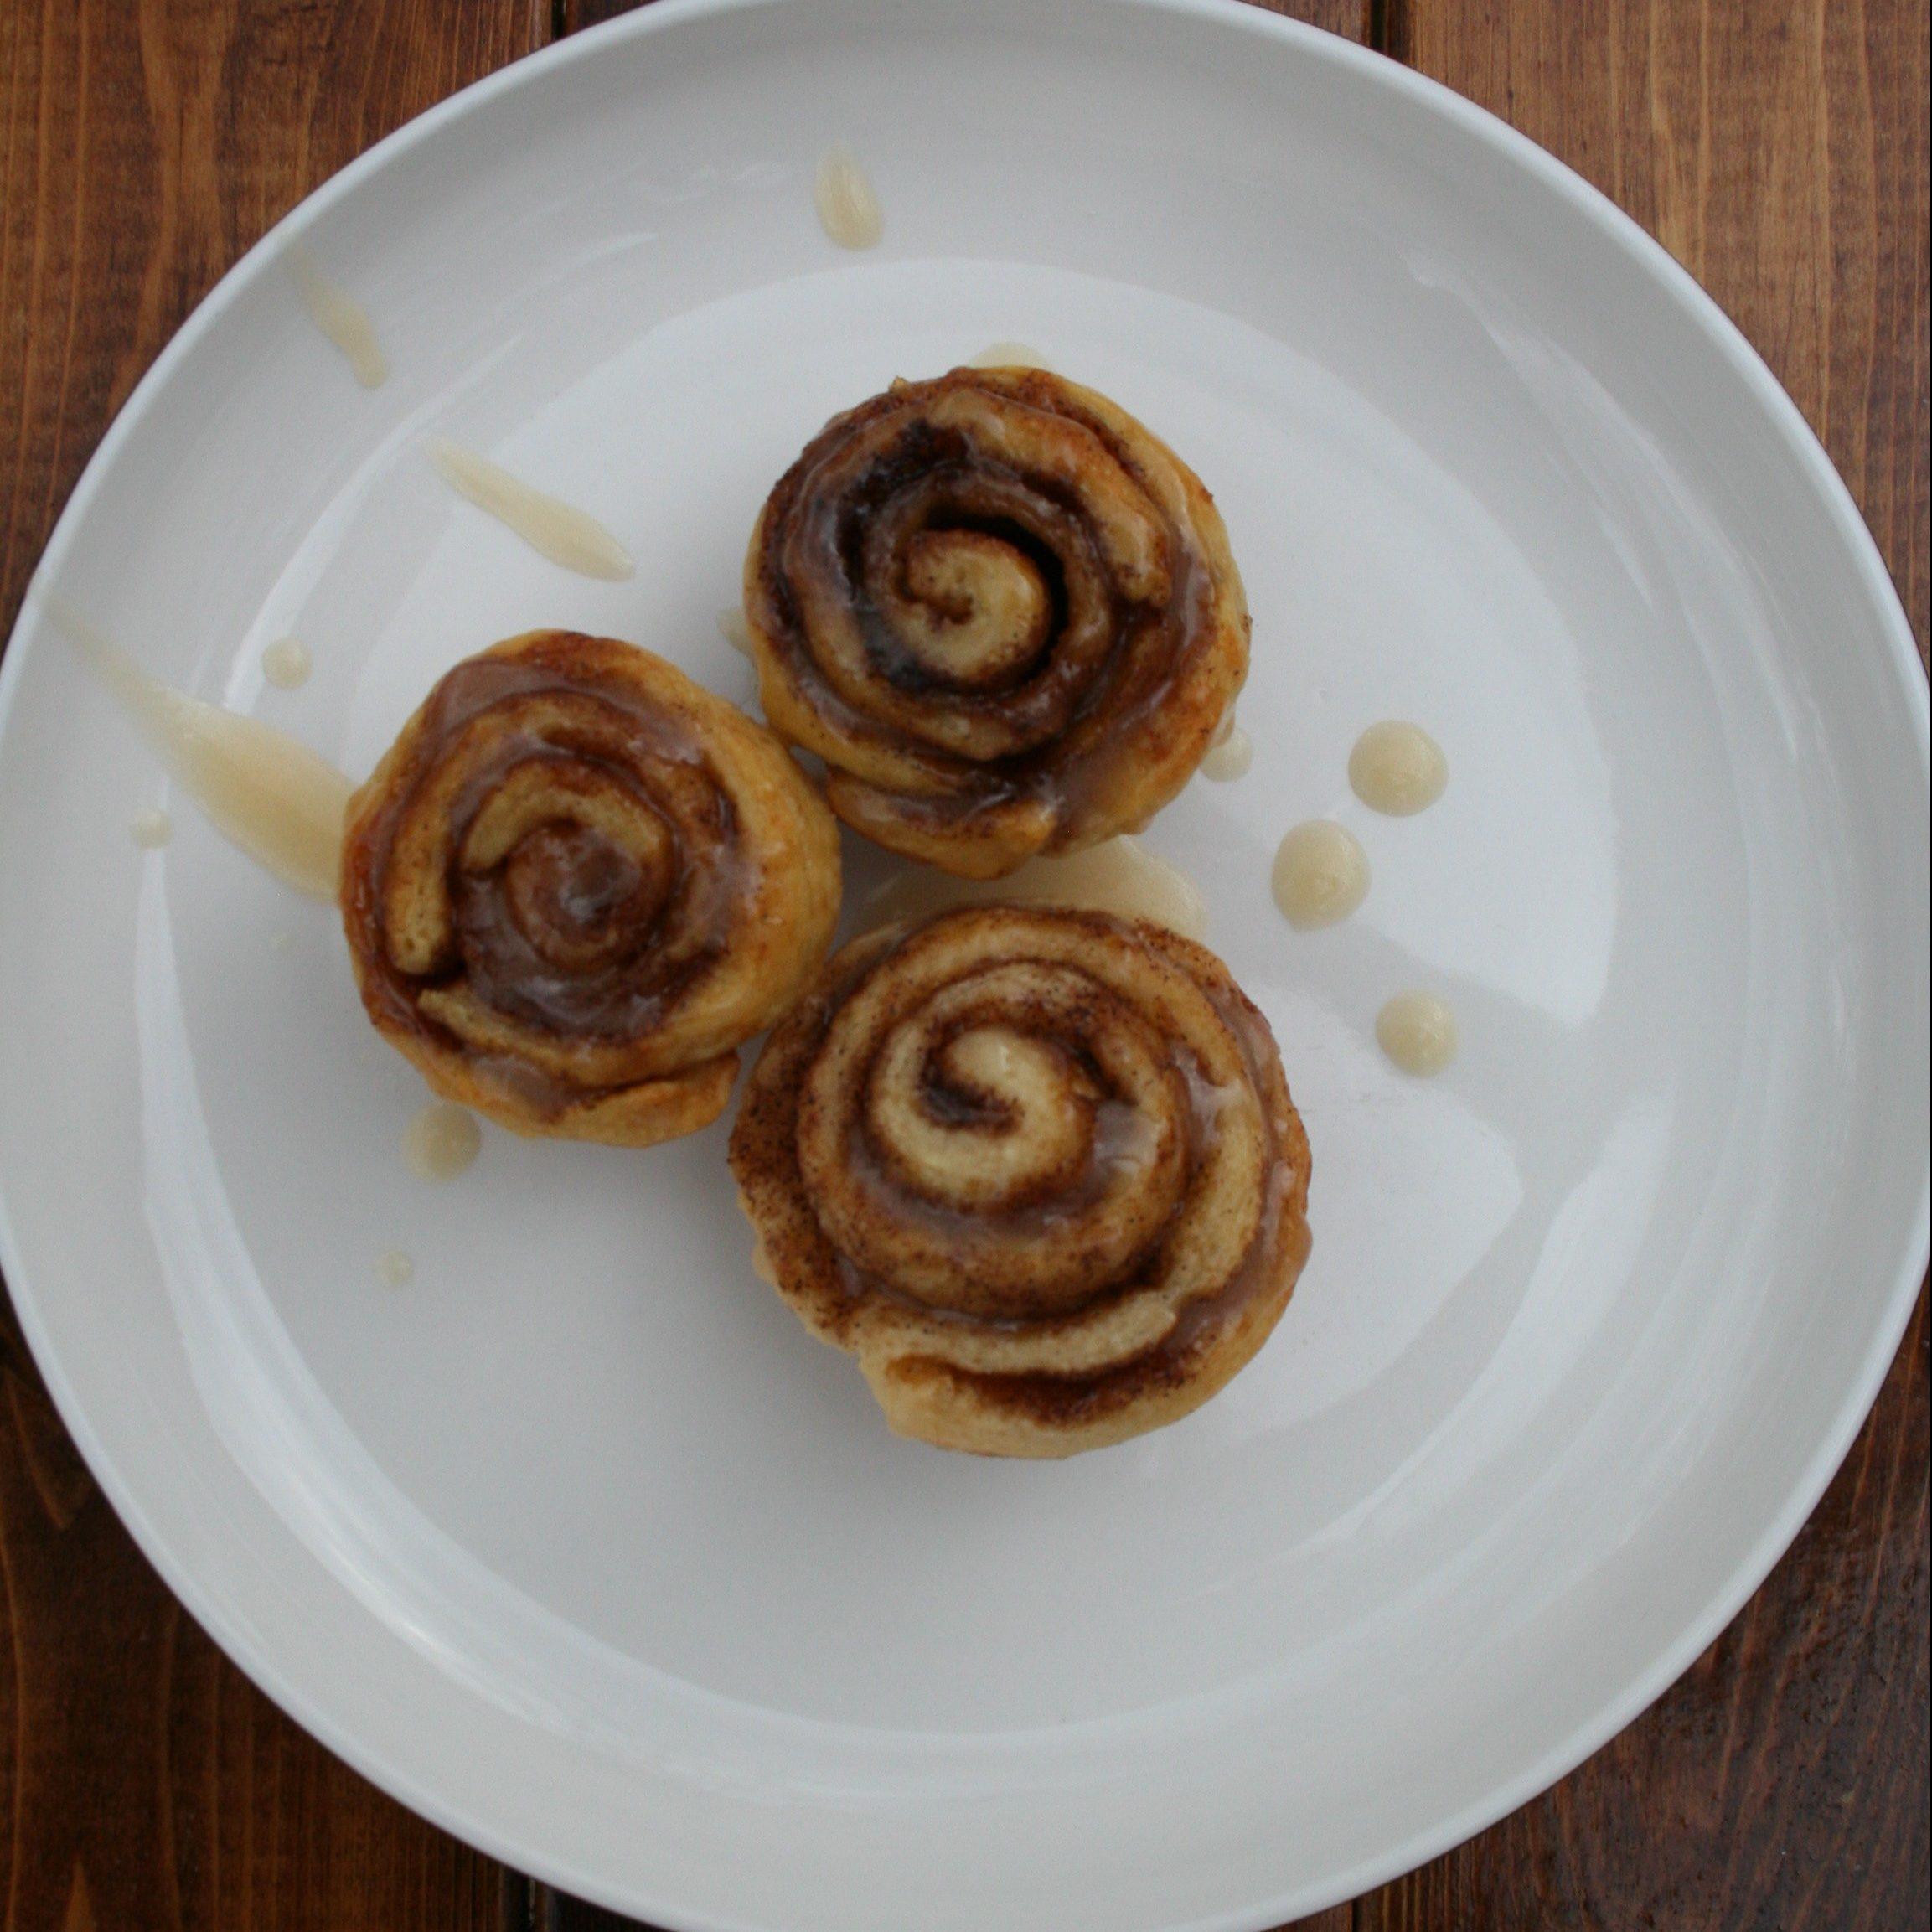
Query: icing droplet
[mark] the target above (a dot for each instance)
(734, 630)
(1118, 876)
(1417, 1032)
(286, 664)
(1009, 355)
(442, 1142)
(848, 206)
(1229, 759)
(556, 530)
(761, 1261)
(339, 316)
(1398, 768)
(261, 789)
(151, 827)
(394, 1269)
(1321, 873)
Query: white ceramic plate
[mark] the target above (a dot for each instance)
(578, 1543)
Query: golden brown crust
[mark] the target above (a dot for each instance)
(1038, 1170)
(1004, 613)
(577, 882)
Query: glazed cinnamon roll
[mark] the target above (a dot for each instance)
(1038, 1170)
(577, 882)
(1004, 614)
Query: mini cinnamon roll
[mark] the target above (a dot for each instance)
(577, 882)
(1038, 1170)
(1004, 614)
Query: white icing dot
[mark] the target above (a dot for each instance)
(1417, 1032)
(1398, 768)
(735, 631)
(1230, 759)
(1321, 873)
(286, 664)
(442, 1140)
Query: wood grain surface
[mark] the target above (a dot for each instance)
(1779, 147)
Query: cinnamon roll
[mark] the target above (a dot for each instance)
(577, 883)
(1038, 1170)
(1004, 614)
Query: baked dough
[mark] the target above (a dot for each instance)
(1038, 1170)
(1004, 614)
(577, 882)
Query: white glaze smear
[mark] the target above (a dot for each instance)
(342, 318)
(1397, 767)
(1417, 1032)
(286, 664)
(261, 789)
(735, 631)
(1118, 876)
(394, 1269)
(848, 205)
(151, 827)
(558, 530)
(442, 1142)
(1229, 759)
(1320, 875)
(1008, 355)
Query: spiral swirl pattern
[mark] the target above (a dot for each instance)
(577, 882)
(1039, 1170)
(1004, 614)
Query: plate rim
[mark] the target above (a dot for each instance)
(1648, 258)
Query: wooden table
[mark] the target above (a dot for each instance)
(1778, 147)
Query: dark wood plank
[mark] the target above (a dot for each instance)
(555, 1911)
(1348, 17)
(144, 1783)
(1345, 17)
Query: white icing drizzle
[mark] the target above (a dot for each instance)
(340, 318)
(261, 789)
(1118, 876)
(556, 530)
(1008, 355)
(848, 205)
